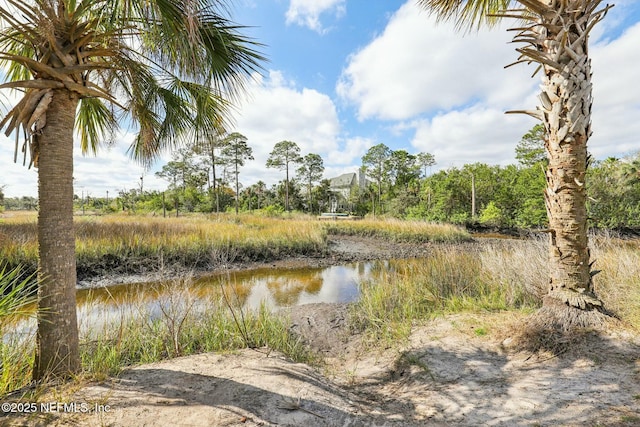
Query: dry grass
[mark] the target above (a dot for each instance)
(489, 277)
(400, 231)
(123, 244)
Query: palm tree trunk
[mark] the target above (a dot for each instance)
(57, 351)
(561, 46)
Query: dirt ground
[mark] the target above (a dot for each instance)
(454, 371)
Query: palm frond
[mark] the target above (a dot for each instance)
(467, 15)
(95, 123)
(174, 67)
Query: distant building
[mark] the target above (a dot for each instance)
(342, 187)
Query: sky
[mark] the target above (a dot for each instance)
(343, 76)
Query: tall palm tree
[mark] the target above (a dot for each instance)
(82, 67)
(555, 34)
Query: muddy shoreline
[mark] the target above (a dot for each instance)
(340, 250)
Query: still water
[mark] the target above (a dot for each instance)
(274, 288)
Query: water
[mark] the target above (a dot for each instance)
(275, 288)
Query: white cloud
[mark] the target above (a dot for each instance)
(616, 95)
(16, 179)
(307, 12)
(473, 135)
(277, 111)
(417, 66)
(350, 152)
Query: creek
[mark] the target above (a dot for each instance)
(274, 288)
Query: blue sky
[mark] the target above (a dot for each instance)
(345, 75)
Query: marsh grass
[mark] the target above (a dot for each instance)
(133, 244)
(400, 231)
(180, 324)
(492, 277)
(123, 244)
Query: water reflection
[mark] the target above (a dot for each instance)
(275, 288)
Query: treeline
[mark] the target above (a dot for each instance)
(398, 184)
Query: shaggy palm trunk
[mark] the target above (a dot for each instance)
(57, 337)
(559, 43)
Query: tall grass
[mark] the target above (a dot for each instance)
(400, 231)
(496, 276)
(135, 244)
(16, 350)
(618, 284)
(452, 279)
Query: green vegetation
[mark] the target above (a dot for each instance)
(506, 196)
(486, 276)
(133, 244)
(400, 186)
(490, 277)
(15, 293)
(16, 354)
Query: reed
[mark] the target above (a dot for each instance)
(400, 231)
(179, 324)
(493, 276)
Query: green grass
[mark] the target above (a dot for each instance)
(16, 351)
(123, 244)
(134, 341)
(400, 231)
(491, 277)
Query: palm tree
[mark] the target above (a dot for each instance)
(172, 67)
(555, 35)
